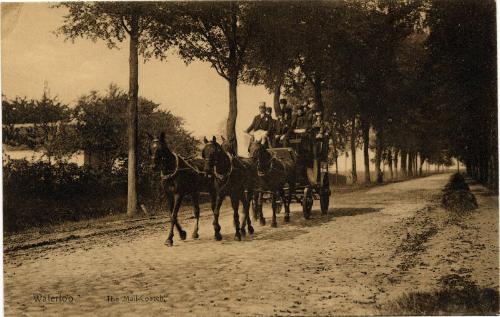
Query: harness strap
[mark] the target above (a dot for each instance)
(190, 167)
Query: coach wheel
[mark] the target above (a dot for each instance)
(307, 202)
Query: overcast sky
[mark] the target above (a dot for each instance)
(32, 54)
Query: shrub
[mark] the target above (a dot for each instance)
(40, 193)
(457, 196)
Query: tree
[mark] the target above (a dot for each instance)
(274, 50)
(462, 56)
(218, 33)
(101, 126)
(113, 22)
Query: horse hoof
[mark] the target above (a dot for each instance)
(250, 230)
(195, 235)
(169, 243)
(274, 225)
(218, 236)
(243, 232)
(237, 237)
(183, 235)
(262, 221)
(287, 218)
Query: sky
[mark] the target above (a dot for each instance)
(33, 55)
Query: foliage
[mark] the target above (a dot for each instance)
(40, 193)
(101, 125)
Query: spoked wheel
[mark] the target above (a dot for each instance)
(307, 202)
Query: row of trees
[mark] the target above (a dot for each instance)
(373, 65)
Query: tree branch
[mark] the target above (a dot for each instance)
(122, 20)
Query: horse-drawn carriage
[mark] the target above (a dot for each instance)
(306, 160)
(298, 173)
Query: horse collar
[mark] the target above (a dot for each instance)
(169, 176)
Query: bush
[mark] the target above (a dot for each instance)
(40, 193)
(457, 196)
(456, 182)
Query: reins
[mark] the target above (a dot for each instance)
(177, 169)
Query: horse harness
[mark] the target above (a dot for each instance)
(177, 168)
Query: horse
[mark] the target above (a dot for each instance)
(179, 177)
(273, 174)
(233, 177)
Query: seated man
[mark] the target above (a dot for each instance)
(272, 123)
(301, 124)
(283, 129)
(261, 125)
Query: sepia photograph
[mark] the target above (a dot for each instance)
(250, 158)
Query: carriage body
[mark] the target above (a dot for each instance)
(310, 155)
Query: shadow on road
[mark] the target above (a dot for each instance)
(318, 219)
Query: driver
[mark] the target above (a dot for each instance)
(261, 124)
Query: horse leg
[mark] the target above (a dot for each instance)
(274, 223)
(260, 209)
(170, 203)
(218, 203)
(255, 210)
(246, 213)
(196, 212)
(287, 199)
(177, 206)
(235, 203)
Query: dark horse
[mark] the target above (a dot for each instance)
(273, 174)
(233, 177)
(179, 177)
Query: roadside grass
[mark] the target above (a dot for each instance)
(456, 296)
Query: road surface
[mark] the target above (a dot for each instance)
(373, 245)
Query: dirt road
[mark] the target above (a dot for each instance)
(373, 245)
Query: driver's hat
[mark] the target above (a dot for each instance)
(262, 104)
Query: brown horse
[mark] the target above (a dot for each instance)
(233, 177)
(179, 177)
(273, 175)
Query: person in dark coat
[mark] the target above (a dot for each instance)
(301, 121)
(261, 121)
(283, 106)
(283, 129)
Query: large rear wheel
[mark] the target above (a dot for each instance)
(307, 202)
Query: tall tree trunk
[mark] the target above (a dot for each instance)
(233, 114)
(396, 152)
(353, 149)
(133, 116)
(404, 157)
(276, 98)
(389, 160)
(365, 127)
(317, 93)
(336, 168)
(410, 163)
(378, 156)
(421, 166)
(233, 71)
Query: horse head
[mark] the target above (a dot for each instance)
(226, 146)
(211, 154)
(159, 153)
(260, 155)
